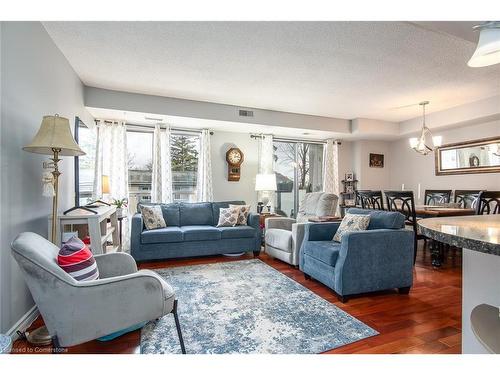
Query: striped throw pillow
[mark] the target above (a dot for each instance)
(77, 260)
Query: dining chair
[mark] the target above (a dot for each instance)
(357, 197)
(435, 197)
(371, 199)
(488, 203)
(404, 202)
(466, 198)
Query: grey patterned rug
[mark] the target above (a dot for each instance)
(248, 307)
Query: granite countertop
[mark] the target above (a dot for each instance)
(479, 233)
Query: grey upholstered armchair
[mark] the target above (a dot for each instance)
(283, 236)
(79, 311)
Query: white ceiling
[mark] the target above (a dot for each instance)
(336, 69)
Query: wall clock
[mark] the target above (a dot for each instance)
(234, 158)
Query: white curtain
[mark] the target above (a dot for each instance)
(161, 187)
(204, 181)
(111, 159)
(266, 162)
(331, 167)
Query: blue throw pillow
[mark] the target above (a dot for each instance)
(121, 332)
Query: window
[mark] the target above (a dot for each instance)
(84, 165)
(299, 170)
(184, 150)
(140, 166)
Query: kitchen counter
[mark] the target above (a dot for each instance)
(479, 237)
(479, 233)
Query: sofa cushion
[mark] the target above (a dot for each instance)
(216, 206)
(77, 260)
(162, 235)
(351, 223)
(171, 214)
(228, 217)
(200, 233)
(240, 231)
(381, 219)
(324, 251)
(196, 214)
(279, 239)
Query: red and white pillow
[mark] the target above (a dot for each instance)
(77, 260)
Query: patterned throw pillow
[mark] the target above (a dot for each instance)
(153, 217)
(228, 217)
(351, 223)
(244, 211)
(77, 260)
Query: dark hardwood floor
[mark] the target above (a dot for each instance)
(428, 320)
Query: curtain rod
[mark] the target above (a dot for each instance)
(283, 139)
(152, 127)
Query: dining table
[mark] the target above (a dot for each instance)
(430, 211)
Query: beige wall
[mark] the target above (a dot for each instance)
(410, 168)
(371, 178)
(244, 189)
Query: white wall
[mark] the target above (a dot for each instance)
(411, 168)
(36, 80)
(244, 189)
(370, 178)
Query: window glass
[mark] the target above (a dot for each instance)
(86, 163)
(184, 153)
(140, 166)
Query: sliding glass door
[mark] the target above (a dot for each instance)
(299, 170)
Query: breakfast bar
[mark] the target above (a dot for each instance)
(479, 236)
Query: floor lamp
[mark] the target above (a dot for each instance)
(53, 138)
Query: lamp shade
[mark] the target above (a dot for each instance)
(105, 184)
(265, 182)
(488, 46)
(54, 133)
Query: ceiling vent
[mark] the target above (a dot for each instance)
(245, 113)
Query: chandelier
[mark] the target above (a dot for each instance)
(426, 142)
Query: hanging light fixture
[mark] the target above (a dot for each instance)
(421, 144)
(488, 47)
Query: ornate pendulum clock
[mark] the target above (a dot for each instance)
(234, 158)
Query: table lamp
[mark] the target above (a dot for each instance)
(105, 184)
(265, 182)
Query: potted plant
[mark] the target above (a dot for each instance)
(120, 205)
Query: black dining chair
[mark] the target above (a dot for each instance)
(371, 199)
(466, 198)
(404, 202)
(436, 197)
(358, 198)
(488, 203)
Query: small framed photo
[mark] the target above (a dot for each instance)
(376, 160)
(349, 188)
(349, 202)
(349, 176)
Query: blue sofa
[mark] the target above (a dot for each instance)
(378, 258)
(191, 231)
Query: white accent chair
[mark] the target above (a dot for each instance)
(284, 236)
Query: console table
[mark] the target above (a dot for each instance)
(99, 230)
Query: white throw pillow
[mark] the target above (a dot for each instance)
(244, 211)
(153, 217)
(351, 223)
(228, 217)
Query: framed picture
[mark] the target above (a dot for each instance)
(349, 188)
(376, 160)
(349, 176)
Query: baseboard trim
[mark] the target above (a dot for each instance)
(23, 323)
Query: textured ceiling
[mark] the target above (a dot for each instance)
(335, 69)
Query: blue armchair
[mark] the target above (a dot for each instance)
(378, 258)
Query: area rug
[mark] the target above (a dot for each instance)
(248, 307)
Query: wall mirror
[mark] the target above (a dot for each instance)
(479, 156)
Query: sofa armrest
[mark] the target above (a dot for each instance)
(103, 306)
(374, 259)
(115, 264)
(254, 221)
(135, 233)
(279, 223)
